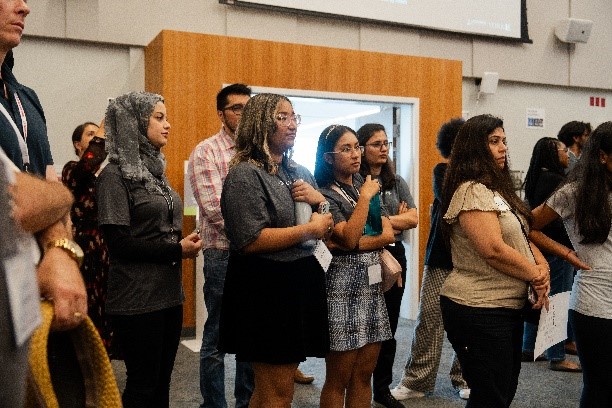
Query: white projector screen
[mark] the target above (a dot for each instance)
(498, 18)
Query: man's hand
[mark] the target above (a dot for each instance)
(59, 279)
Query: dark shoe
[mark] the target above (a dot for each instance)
(570, 348)
(300, 378)
(565, 365)
(527, 356)
(386, 400)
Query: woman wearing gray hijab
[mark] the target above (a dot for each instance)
(141, 218)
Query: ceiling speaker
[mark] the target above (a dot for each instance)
(573, 30)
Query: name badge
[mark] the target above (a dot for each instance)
(322, 254)
(501, 204)
(374, 274)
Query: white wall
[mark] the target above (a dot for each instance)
(73, 81)
(511, 101)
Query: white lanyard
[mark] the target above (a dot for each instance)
(344, 194)
(25, 156)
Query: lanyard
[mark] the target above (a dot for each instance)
(23, 147)
(344, 194)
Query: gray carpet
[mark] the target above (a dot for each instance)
(538, 386)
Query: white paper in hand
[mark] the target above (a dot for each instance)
(553, 323)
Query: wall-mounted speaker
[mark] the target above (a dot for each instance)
(573, 30)
(488, 84)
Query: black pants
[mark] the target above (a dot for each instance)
(488, 344)
(149, 343)
(593, 336)
(383, 373)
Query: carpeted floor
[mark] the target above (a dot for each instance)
(539, 387)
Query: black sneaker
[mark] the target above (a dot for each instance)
(386, 400)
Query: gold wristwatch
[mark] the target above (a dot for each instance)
(72, 248)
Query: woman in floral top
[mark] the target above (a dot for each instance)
(80, 177)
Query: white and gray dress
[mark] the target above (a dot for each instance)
(356, 310)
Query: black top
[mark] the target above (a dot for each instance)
(142, 230)
(547, 183)
(437, 255)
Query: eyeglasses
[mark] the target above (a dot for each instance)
(285, 120)
(237, 109)
(565, 149)
(379, 145)
(349, 150)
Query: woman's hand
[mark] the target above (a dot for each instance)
(323, 225)
(369, 188)
(191, 245)
(542, 278)
(302, 191)
(573, 259)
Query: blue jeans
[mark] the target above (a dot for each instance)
(488, 344)
(212, 366)
(561, 279)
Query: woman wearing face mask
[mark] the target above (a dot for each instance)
(493, 263)
(141, 219)
(358, 320)
(403, 216)
(274, 313)
(80, 177)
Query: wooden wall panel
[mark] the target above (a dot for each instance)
(189, 69)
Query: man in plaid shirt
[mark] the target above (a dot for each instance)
(207, 169)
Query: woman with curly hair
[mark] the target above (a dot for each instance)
(584, 204)
(274, 312)
(493, 263)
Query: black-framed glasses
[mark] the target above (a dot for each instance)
(349, 150)
(285, 120)
(379, 145)
(237, 108)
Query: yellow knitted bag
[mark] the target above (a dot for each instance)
(99, 380)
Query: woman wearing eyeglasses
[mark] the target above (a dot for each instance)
(358, 320)
(274, 312)
(141, 218)
(399, 204)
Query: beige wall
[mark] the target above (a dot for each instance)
(546, 61)
(76, 53)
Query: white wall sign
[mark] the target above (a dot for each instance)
(535, 118)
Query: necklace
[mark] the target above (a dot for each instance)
(164, 189)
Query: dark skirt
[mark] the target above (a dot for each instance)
(274, 312)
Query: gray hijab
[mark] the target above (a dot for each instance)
(126, 124)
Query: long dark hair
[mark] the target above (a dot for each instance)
(471, 160)
(387, 174)
(545, 157)
(324, 171)
(593, 186)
